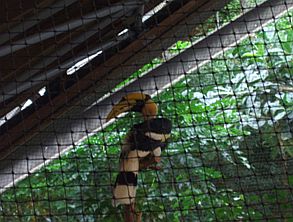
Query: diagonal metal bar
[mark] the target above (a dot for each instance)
(10, 89)
(68, 61)
(110, 12)
(34, 20)
(13, 88)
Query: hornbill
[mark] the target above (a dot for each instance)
(141, 148)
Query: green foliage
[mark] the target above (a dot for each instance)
(225, 115)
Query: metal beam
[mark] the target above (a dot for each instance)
(50, 10)
(43, 79)
(30, 78)
(40, 55)
(24, 129)
(44, 76)
(67, 26)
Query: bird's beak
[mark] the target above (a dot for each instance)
(121, 107)
(127, 103)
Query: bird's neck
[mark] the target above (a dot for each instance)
(149, 110)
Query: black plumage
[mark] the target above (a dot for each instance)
(140, 137)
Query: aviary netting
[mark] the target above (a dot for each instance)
(210, 84)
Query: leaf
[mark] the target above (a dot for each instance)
(290, 115)
(279, 116)
(199, 96)
(286, 135)
(287, 46)
(248, 55)
(288, 97)
(238, 78)
(276, 50)
(253, 123)
(252, 76)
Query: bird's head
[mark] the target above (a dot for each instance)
(136, 102)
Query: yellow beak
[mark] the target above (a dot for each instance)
(127, 103)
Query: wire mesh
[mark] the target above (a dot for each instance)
(221, 72)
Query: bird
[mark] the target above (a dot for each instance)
(144, 139)
(141, 148)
